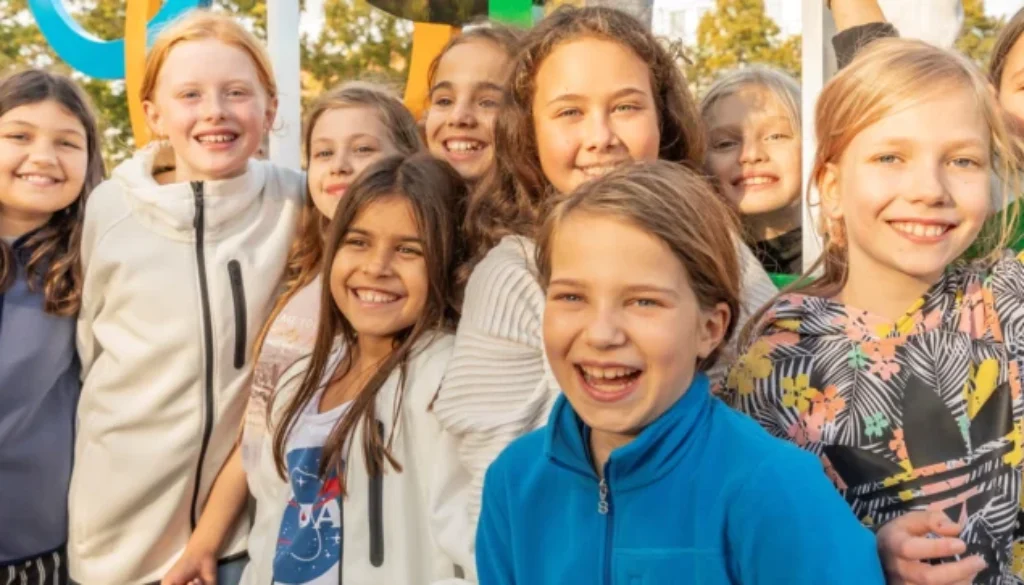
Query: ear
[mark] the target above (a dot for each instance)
(711, 329)
(828, 190)
(271, 115)
(153, 118)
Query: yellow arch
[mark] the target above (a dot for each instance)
(137, 16)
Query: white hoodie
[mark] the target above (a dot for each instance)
(178, 280)
(386, 530)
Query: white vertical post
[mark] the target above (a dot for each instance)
(817, 66)
(283, 44)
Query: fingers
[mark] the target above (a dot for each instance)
(961, 572)
(919, 548)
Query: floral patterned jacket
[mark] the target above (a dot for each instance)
(923, 413)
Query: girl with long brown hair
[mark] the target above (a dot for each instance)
(347, 129)
(343, 489)
(50, 160)
(591, 90)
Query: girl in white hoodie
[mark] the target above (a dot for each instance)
(183, 250)
(354, 461)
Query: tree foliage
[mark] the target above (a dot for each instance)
(979, 32)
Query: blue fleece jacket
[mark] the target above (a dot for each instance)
(702, 496)
(39, 390)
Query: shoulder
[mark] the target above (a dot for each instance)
(429, 359)
(506, 275)
(283, 182)
(523, 459)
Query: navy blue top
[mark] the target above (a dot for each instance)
(39, 389)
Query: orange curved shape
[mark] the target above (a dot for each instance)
(137, 16)
(427, 41)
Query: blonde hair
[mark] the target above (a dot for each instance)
(778, 83)
(199, 25)
(888, 76)
(663, 198)
(307, 251)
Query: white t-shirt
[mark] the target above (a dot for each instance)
(309, 540)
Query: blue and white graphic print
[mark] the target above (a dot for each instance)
(309, 543)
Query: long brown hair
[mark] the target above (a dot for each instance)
(53, 251)
(886, 76)
(307, 250)
(510, 197)
(663, 198)
(432, 188)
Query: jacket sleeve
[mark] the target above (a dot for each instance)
(494, 558)
(789, 526)
(92, 287)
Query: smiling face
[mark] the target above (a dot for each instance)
(379, 277)
(215, 115)
(912, 194)
(593, 110)
(755, 152)
(464, 102)
(344, 141)
(43, 161)
(623, 329)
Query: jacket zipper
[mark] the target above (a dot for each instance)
(376, 504)
(604, 508)
(238, 296)
(204, 292)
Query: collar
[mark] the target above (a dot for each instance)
(656, 451)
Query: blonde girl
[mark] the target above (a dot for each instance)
(899, 366)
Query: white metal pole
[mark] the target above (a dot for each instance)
(283, 44)
(816, 68)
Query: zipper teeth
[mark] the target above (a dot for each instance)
(197, 190)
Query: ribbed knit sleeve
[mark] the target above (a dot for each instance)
(498, 385)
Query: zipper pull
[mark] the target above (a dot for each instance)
(602, 490)
(197, 193)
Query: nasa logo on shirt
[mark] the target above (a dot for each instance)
(309, 543)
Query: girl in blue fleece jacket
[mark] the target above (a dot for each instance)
(641, 476)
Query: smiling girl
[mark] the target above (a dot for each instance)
(183, 251)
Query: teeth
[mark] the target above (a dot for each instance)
(607, 373)
(373, 296)
(464, 145)
(38, 179)
(757, 181)
(216, 138)
(920, 230)
(598, 170)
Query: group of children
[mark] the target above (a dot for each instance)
(480, 348)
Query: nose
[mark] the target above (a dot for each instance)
(341, 164)
(43, 152)
(378, 262)
(930, 183)
(752, 151)
(463, 114)
(213, 107)
(600, 135)
(605, 330)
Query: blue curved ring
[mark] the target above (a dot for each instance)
(84, 51)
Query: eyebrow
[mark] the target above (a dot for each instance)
(908, 143)
(405, 239)
(569, 97)
(638, 288)
(351, 137)
(488, 85)
(25, 123)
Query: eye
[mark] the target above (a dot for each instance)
(69, 144)
(190, 94)
(443, 102)
(888, 159)
(489, 103)
(355, 242)
(365, 149)
(647, 303)
(17, 136)
(409, 251)
(964, 162)
(777, 136)
(627, 108)
(567, 297)
(237, 93)
(323, 154)
(724, 144)
(568, 113)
